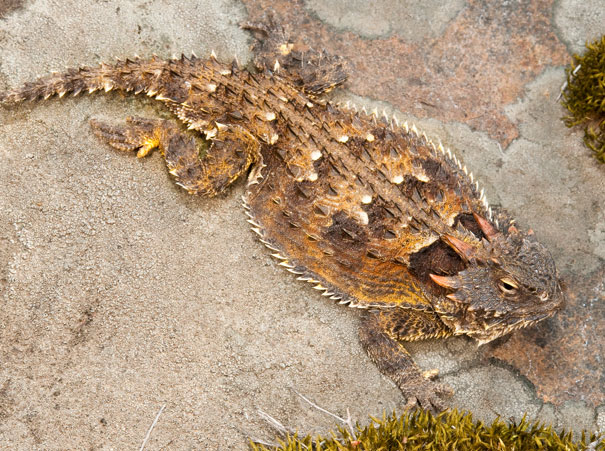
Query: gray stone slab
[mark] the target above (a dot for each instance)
(121, 294)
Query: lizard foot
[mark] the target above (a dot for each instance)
(232, 151)
(314, 72)
(427, 394)
(137, 134)
(379, 334)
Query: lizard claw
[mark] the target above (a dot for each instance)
(138, 134)
(314, 72)
(428, 395)
(431, 374)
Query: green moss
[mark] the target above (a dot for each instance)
(450, 430)
(584, 95)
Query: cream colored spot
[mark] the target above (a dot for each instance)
(422, 177)
(310, 105)
(313, 176)
(366, 199)
(285, 49)
(397, 179)
(274, 138)
(369, 137)
(343, 138)
(270, 116)
(315, 155)
(364, 218)
(211, 87)
(225, 72)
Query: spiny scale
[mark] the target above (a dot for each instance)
(345, 162)
(345, 170)
(361, 207)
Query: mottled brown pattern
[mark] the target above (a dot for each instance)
(372, 213)
(563, 356)
(479, 65)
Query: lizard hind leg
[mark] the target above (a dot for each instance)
(137, 134)
(381, 334)
(314, 72)
(232, 151)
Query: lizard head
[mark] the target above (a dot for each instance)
(509, 282)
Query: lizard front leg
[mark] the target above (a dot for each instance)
(232, 151)
(381, 334)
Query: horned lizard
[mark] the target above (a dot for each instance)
(370, 212)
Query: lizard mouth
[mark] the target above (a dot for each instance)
(503, 327)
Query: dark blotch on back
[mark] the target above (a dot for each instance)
(439, 180)
(438, 174)
(468, 222)
(438, 258)
(346, 232)
(379, 219)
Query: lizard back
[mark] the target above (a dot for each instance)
(357, 205)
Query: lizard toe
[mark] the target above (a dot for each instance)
(428, 395)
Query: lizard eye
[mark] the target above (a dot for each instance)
(508, 285)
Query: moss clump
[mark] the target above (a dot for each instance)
(450, 430)
(584, 95)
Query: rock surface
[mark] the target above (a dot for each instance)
(121, 294)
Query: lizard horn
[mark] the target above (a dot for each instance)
(453, 297)
(446, 282)
(465, 250)
(486, 227)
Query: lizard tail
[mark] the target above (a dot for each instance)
(128, 76)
